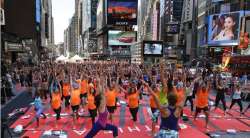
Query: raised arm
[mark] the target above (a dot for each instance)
(100, 85)
(163, 80)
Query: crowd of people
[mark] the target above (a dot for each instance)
(96, 86)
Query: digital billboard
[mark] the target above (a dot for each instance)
(122, 12)
(153, 48)
(38, 11)
(172, 28)
(121, 38)
(223, 29)
(217, 0)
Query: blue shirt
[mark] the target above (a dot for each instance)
(38, 103)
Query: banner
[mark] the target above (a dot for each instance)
(122, 12)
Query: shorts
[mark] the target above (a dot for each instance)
(111, 109)
(198, 110)
(93, 112)
(75, 108)
(84, 95)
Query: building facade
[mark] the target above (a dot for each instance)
(88, 33)
(211, 16)
(34, 30)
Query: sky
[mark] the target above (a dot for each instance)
(62, 11)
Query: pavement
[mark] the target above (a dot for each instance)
(232, 125)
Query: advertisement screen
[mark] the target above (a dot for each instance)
(121, 38)
(153, 48)
(122, 12)
(217, 0)
(172, 28)
(38, 11)
(223, 29)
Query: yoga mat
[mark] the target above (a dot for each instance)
(225, 124)
(33, 125)
(247, 121)
(32, 134)
(51, 124)
(191, 132)
(200, 124)
(23, 122)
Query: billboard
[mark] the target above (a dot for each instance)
(20, 18)
(223, 29)
(121, 38)
(122, 12)
(217, 0)
(170, 52)
(38, 11)
(172, 28)
(154, 48)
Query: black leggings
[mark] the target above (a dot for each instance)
(57, 111)
(66, 100)
(239, 103)
(133, 112)
(222, 99)
(93, 114)
(190, 99)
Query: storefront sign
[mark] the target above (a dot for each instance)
(15, 47)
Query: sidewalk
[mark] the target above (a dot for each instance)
(17, 89)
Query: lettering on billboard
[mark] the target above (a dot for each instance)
(122, 12)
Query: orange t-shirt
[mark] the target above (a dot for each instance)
(133, 100)
(66, 87)
(152, 101)
(56, 100)
(91, 101)
(180, 96)
(202, 99)
(111, 97)
(75, 97)
(84, 86)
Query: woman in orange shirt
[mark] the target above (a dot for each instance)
(91, 102)
(75, 98)
(133, 100)
(56, 99)
(180, 94)
(153, 106)
(66, 93)
(84, 90)
(111, 94)
(202, 100)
